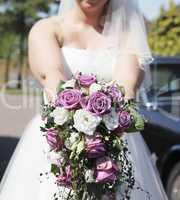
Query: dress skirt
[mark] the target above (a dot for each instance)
(26, 179)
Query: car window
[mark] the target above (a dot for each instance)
(166, 87)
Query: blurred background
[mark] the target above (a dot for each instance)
(20, 94)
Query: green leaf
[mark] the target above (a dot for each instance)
(139, 123)
(63, 133)
(74, 146)
(80, 147)
(50, 122)
(118, 143)
(72, 155)
(59, 87)
(42, 129)
(46, 110)
(132, 129)
(137, 119)
(54, 169)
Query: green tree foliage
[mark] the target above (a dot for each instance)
(16, 18)
(164, 32)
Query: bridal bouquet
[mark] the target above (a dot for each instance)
(83, 128)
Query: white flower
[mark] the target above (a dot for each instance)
(74, 136)
(85, 122)
(94, 87)
(89, 176)
(111, 119)
(110, 83)
(54, 157)
(69, 83)
(60, 115)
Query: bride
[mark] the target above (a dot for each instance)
(104, 37)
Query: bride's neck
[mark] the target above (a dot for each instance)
(94, 18)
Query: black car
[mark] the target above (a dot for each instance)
(161, 108)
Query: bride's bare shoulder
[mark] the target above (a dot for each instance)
(48, 27)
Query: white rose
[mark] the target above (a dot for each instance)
(111, 120)
(85, 122)
(69, 83)
(74, 136)
(60, 115)
(94, 87)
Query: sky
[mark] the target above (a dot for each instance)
(151, 8)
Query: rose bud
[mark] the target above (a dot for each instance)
(95, 147)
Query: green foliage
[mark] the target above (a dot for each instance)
(46, 110)
(9, 43)
(165, 32)
(18, 16)
(16, 19)
(54, 169)
(59, 87)
(77, 149)
(138, 121)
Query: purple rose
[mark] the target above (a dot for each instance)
(86, 80)
(106, 170)
(125, 120)
(115, 94)
(69, 98)
(53, 139)
(95, 147)
(98, 103)
(64, 179)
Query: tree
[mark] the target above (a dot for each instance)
(17, 18)
(165, 32)
(7, 50)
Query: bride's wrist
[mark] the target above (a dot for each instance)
(49, 95)
(130, 99)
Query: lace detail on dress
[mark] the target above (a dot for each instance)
(145, 60)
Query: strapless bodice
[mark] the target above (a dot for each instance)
(99, 62)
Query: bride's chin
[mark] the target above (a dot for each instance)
(88, 6)
(91, 6)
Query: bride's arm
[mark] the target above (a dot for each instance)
(128, 73)
(44, 56)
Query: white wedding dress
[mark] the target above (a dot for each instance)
(22, 180)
